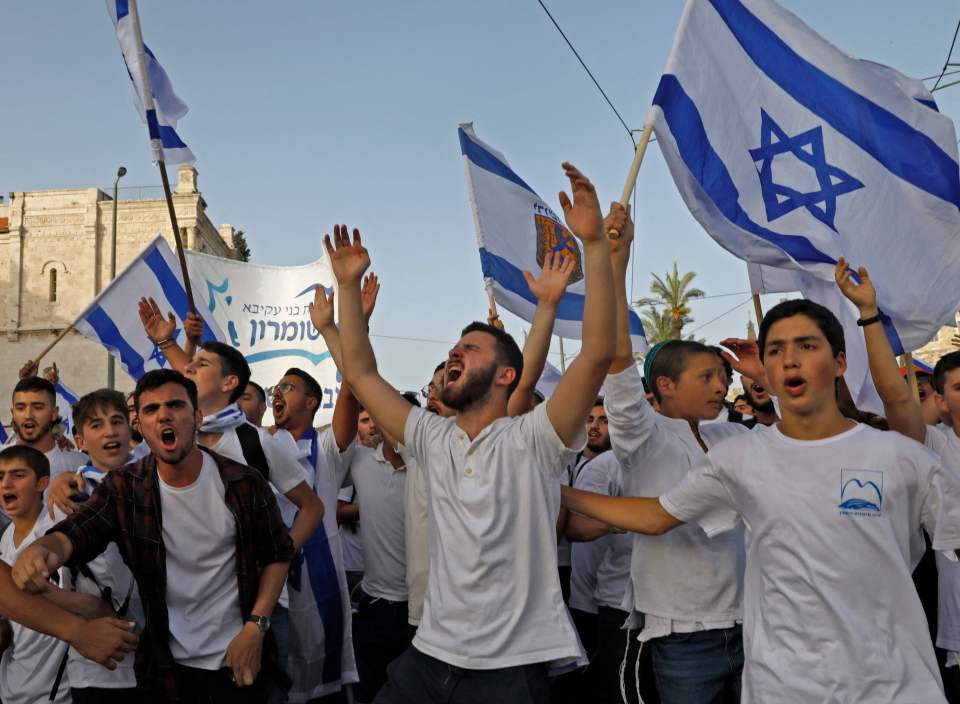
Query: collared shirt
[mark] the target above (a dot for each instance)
(493, 598)
(380, 492)
(125, 509)
(681, 578)
(417, 529)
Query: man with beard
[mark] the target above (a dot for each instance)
(206, 543)
(493, 617)
(253, 403)
(762, 403)
(35, 414)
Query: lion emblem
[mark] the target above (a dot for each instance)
(554, 237)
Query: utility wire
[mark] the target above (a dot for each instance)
(593, 78)
(727, 312)
(949, 54)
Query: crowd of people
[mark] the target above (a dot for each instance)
(656, 543)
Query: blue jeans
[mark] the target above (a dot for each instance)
(280, 626)
(703, 667)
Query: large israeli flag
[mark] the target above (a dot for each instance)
(113, 320)
(155, 100)
(791, 154)
(516, 229)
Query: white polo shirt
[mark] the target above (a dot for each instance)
(64, 460)
(351, 535)
(833, 531)
(944, 441)
(585, 558)
(493, 598)
(681, 581)
(417, 537)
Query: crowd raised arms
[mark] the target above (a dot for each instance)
(701, 534)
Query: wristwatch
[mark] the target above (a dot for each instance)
(263, 622)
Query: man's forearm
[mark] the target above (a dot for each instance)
(331, 336)
(309, 516)
(34, 611)
(583, 529)
(636, 514)
(623, 351)
(355, 349)
(272, 579)
(599, 315)
(535, 351)
(84, 605)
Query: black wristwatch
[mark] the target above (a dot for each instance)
(263, 622)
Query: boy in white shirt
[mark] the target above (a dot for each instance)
(832, 512)
(35, 414)
(494, 615)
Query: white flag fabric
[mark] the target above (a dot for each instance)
(113, 320)
(158, 105)
(65, 400)
(264, 312)
(516, 229)
(791, 154)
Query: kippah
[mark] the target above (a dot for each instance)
(648, 361)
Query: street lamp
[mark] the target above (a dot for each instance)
(111, 362)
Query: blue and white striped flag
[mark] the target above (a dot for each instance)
(792, 154)
(155, 100)
(65, 400)
(113, 319)
(516, 229)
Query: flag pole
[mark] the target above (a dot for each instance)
(634, 170)
(758, 309)
(912, 376)
(63, 334)
(563, 358)
(154, 133)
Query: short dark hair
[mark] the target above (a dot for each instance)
(101, 399)
(508, 353)
(37, 383)
(157, 378)
(671, 360)
(411, 396)
(440, 366)
(232, 362)
(30, 456)
(947, 363)
(260, 392)
(743, 397)
(822, 317)
(598, 402)
(313, 386)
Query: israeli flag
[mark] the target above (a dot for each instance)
(113, 320)
(791, 154)
(155, 100)
(65, 400)
(516, 229)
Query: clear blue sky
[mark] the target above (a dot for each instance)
(303, 114)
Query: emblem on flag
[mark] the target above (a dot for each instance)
(552, 236)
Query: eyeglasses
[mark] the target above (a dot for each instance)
(425, 391)
(284, 388)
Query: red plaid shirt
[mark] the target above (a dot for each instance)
(125, 508)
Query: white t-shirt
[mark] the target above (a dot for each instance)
(110, 571)
(203, 599)
(944, 441)
(351, 536)
(585, 558)
(64, 460)
(29, 666)
(380, 492)
(604, 476)
(681, 581)
(493, 597)
(417, 537)
(832, 536)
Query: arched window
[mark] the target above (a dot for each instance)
(53, 285)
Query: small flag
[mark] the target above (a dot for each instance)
(156, 102)
(113, 319)
(65, 400)
(516, 230)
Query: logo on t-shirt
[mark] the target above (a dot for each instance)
(861, 492)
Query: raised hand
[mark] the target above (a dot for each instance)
(618, 221)
(52, 374)
(321, 310)
(28, 369)
(368, 294)
(494, 319)
(553, 279)
(583, 215)
(155, 325)
(747, 361)
(862, 295)
(348, 260)
(193, 327)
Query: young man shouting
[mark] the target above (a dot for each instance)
(35, 415)
(832, 512)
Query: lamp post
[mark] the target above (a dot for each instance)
(111, 362)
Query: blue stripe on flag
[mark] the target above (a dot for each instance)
(67, 395)
(122, 9)
(325, 585)
(488, 162)
(173, 289)
(112, 338)
(170, 139)
(932, 104)
(903, 150)
(708, 169)
(153, 127)
(511, 278)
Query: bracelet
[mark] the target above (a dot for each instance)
(864, 322)
(164, 344)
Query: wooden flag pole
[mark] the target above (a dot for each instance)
(63, 334)
(912, 376)
(634, 170)
(176, 235)
(563, 358)
(757, 309)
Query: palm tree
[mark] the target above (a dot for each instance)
(656, 325)
(674, 294)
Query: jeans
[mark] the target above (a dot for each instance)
(381, 634)
(618, 648)
(280, 626)
(195, 686)
(416, 678)
(702, 667)
(97, 695)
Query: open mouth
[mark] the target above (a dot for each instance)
(278, 407)
(111, 446)
(794, 385)
(28, 426)
(453, 372)
(9, 500)
(168, 439)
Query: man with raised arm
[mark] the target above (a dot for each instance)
(494, 616)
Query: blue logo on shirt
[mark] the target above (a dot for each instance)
(861, 491)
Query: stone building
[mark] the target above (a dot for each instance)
(945, 341)
(55, 257)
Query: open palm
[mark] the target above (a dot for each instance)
(553, 279)
(347, 259)
(583, 214)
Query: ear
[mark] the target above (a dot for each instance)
(230, 382)
(505, 376)
(313, 403)
(198, 418)
(42, 484)
(78, 441)
(666, 386)
(841, 360)
(941, 402)
(56, 412)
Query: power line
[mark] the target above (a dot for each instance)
(590, 73)
(949, 54)
(727, 312)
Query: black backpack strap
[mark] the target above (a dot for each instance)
(252, 449)
(60, 671)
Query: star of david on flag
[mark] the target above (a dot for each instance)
(807, 147)
(848, 158)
